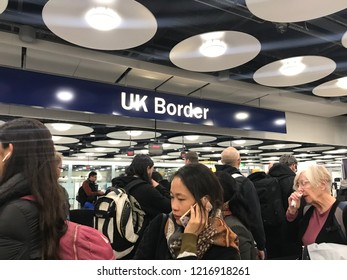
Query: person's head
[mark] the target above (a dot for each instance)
(190, 184)
(27, 148)
(191, 157)
(231, 156)
(232, 195)
(92, 176)
(141, 166)
(313, 182)
(59, 162)
(290, 161)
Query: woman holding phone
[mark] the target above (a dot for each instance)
(196, 200)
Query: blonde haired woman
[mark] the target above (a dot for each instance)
(315, 223)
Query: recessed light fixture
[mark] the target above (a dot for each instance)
(191, 137)
(239, 142)
(280, 122)
(213, 48)
(292, 66)
(61, 126)
(113, 142)
(134, 132)
(342, 83)
(102, 18)
(279, 146)
(65, 95)
(56, 138)
(242, 116)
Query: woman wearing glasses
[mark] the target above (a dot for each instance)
(315, 223)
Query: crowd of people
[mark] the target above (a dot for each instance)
(196, 214)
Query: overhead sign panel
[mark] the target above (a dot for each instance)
(49, 91)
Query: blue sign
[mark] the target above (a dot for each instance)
(49, 91)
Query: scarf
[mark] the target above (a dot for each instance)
(215, 233)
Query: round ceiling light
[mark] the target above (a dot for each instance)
(100, 24)
(213, 48)
(214, 51)
(102, 18)
(292, 66)
(280, 74)
(294, 10)
(3, 5)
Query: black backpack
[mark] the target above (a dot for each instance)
(270, 197)
(81, 196)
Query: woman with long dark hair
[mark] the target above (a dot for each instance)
(29, 229)
(153, 198)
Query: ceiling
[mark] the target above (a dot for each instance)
(157, 64)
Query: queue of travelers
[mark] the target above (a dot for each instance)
(199, 214)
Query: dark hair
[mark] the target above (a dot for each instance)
(139, 167)
(232, 194)
(33, 156)
(201, 181)
(92, 174)
(192, 157)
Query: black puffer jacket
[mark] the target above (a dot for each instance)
(285, 176)
(20, 236)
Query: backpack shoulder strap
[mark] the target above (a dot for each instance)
(339, 218)
(241, 182)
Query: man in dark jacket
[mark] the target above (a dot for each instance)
(231, 162)
(91, 189)
(285, 172)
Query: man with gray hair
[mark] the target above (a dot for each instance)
(290, 161)
(230, 157)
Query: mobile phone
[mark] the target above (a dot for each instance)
(185, 217)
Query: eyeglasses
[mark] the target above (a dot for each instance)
(302, 183)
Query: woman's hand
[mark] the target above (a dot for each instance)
(154, 183)
(198, 220)
(294, 202)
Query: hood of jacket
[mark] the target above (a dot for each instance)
(123, 180)
(281, 171)
(227, 168)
